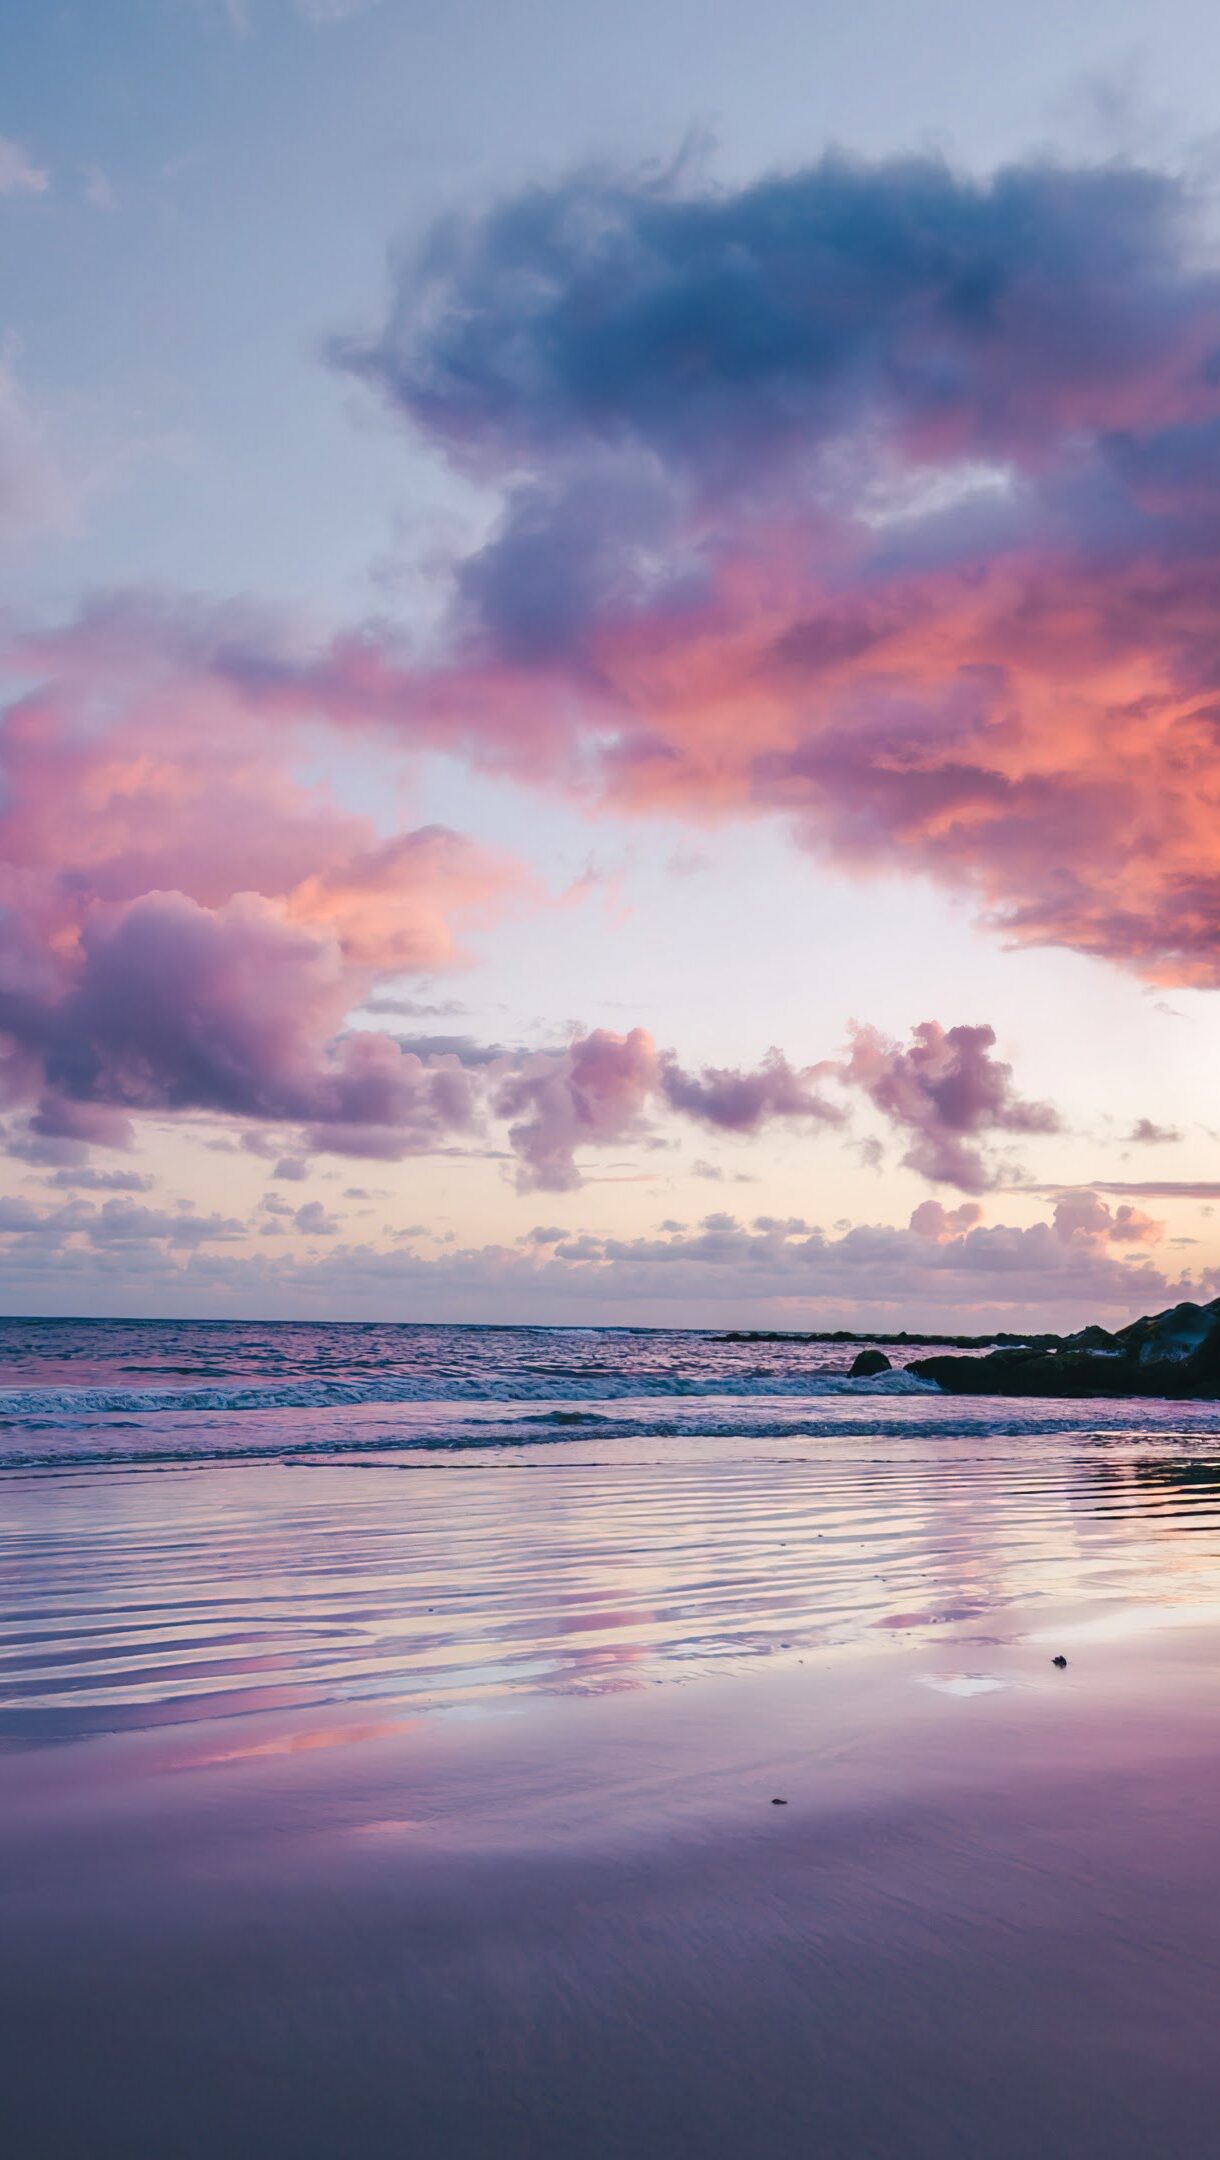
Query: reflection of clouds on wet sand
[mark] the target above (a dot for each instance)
(138, 1599)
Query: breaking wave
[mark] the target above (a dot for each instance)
(24, 1404)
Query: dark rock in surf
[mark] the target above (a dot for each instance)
(868, 1363)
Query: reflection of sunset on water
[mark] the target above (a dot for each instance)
(432, 1584)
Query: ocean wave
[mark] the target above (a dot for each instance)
(22, 1405)
(908, 1418)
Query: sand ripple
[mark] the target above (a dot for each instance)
(136, 1598)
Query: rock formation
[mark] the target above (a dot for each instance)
(1171, 1354)
(868, 1363)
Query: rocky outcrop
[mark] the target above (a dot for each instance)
(1092, 1338)
(868, 1363)
(1169, 1338)
(1170, 1354)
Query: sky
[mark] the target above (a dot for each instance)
(608, 661)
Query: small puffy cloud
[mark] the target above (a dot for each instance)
(19, 175)
(84, 1178)
(731, 1100)
(313, 1220)
(1146, 1133)
(600, 1089)
(932, 1220)
(1081, 1218)
(127, 1222)
(291, 1169)
(946, 1094)
(595, 1091)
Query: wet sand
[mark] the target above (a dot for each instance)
(269, 1891)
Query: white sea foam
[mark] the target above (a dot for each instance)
(85, 1402)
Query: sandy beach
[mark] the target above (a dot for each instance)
(431, 1809)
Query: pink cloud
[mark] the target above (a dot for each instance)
(741, 1102)
(186, 925)
(945, 1094)
(595, 1091)
(234, 1010)
(932, 1220)
(872, 496)
(875, 498)
(1082, 1220)
(1028, 725)
(1147, 1133)
(602, 1087)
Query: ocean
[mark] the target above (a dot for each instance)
(132, 1391)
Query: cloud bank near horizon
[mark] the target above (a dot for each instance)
(945, 1268)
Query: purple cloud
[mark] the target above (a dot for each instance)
(945, 1093)
(741, 1102)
